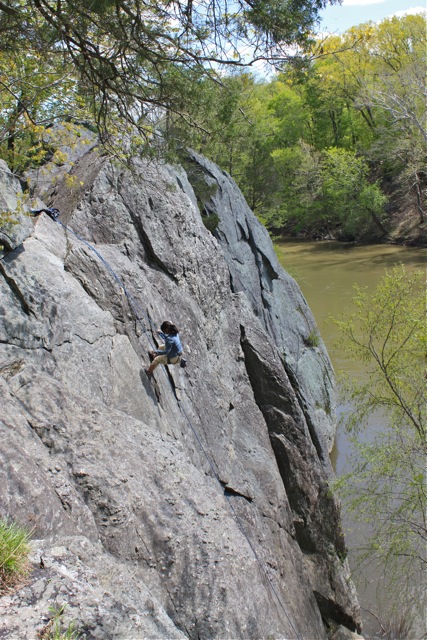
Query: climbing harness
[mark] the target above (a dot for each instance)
(54, 215)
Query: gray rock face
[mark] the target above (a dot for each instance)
(192, 505)
(12, 233)
(275, 298)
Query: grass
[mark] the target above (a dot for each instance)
(14, 549)
(54, 630)
(313, 339)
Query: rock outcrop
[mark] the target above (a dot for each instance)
(195, 504)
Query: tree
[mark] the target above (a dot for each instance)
(35, 93)
(129, 60)
(330, 85)
(386, 487)
(243, 120)
(374, 74)
(325, 193)
(348, 197)
(397, 93)
(359, 110)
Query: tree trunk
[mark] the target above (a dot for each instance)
(419, 193)
(378, 223)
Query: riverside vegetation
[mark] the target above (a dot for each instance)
(386, 488)
(383, 499)
(332, 145)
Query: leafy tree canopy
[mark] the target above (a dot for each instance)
(313, 147)
(325, 190)
(366, 91)
(130, 61)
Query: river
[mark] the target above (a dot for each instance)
(326, 272)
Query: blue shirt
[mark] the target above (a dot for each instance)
(173, 347)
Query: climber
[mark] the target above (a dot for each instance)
(168, 353)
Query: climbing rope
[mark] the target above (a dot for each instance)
(54, 215)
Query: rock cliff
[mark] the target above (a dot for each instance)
(195, 504)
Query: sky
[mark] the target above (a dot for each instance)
(338, 18)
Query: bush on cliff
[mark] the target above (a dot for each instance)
(14, 549)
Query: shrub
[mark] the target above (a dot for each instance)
(386, 484)
(313, 339)
(396, 626)
(203, 189)
(211, 222)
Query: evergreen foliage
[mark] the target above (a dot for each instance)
(313, 149)
(211, 222)
(126, 66)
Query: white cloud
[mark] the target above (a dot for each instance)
(409, 12)
(359, 3)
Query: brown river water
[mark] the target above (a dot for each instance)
(326, 272)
